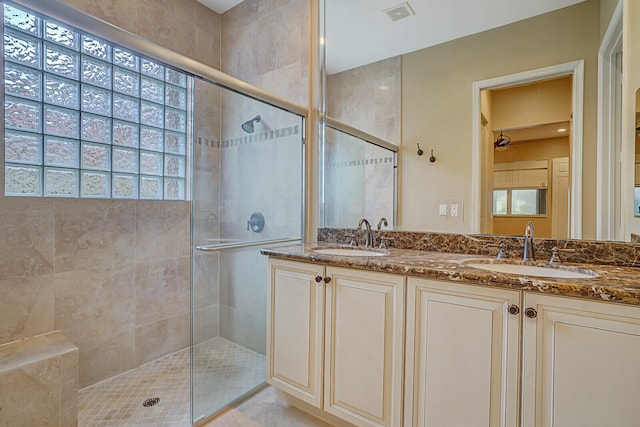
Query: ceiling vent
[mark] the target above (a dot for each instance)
(400, 11)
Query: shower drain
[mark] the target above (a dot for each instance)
(152, 401)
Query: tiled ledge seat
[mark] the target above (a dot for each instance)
(39, 382)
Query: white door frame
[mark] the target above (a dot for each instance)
(609, 218)
(576, 69)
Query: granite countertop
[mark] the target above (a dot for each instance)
(614, 283)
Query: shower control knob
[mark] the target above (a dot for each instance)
(318, 278)
(327, 279)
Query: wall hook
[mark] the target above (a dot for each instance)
(432, 159)
(420, 152)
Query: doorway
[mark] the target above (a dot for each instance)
(528, 148)
(482, 191)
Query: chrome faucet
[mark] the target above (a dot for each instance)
(368, 240)
(528, 254)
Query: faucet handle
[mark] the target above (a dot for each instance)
(353, 241)
(554, 254)
(383, 242)
(501, 250)
(382, 221)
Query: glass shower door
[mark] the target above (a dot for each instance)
(246, 194)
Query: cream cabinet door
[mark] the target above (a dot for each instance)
(462, 355)
(364, 328)
(294, 331)
(580, 363)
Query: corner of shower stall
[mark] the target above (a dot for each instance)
(246, 193)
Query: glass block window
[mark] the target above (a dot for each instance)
(87, 118)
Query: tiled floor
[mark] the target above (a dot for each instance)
(265, 410)
(222, 371)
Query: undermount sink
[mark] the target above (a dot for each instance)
(349, 252)
(558, 272)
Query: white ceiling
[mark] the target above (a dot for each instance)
(536, 133)
(359, 32)
(220, 6)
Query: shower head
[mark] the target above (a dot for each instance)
(248, 125)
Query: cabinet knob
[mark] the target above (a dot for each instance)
(327, 279)
(531, 313)
(318, 278)
(514, 309)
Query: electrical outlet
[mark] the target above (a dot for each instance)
(455, 211)
(442, 209)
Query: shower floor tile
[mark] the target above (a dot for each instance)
(222, 372)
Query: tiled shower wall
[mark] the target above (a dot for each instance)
(368, 98)
(113, 275)
(359, 177)
(265, 43)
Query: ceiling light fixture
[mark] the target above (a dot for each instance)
(501, 142)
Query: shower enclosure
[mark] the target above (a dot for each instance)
(246, 194)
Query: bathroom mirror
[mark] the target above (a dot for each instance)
(417, 94)
(636, 163)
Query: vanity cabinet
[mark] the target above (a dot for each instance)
(579, 363)
(295, 341)
(471, 355)
(462, 355)
(339, 325)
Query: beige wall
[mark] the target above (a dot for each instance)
(607, 7)
(437, 98)
(533, 104)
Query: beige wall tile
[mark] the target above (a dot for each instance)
(243, 328)
(27, 241)
(94, 233)
(69, 384)
(122, 13)
(26, 307)
(31, 395)
(169, 23)
(260, 38)
(355, 97)
(159, 227)
(106, 356)
(93, 304)
(205, 323)
(205, 279)
(161, 290)
(165, 336)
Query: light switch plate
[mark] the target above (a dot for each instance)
(442, 209)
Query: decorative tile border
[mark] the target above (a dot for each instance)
(250, 139)
(364, 162)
